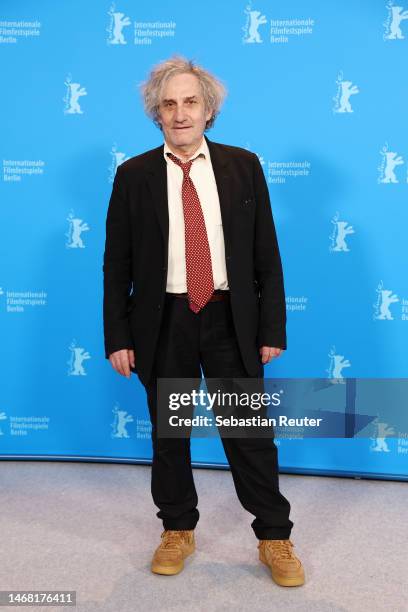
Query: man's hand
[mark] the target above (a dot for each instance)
(267, 353)
(122, 361)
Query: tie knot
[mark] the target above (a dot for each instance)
(185, 166)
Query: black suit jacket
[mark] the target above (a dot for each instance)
(136, 251)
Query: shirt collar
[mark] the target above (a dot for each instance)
(203, 148)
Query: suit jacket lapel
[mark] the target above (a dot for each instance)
(157, 179)
(220, 161)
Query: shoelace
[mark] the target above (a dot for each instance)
(171, 539)
(283, 547)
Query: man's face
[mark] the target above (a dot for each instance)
(182, 113)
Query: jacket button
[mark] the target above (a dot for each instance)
(158, 306)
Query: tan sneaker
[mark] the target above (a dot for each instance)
(175, 546)
(286, 568)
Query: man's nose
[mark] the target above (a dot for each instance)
(180, 114)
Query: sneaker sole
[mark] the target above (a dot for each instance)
(167, 570)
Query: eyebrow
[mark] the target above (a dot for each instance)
(186, 98)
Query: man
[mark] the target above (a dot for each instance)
(190, 229)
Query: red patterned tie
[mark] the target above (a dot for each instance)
(200, 282)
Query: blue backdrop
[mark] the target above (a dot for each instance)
(317, 89)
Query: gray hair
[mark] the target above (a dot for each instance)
(214, 91)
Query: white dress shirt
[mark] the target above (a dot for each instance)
(202, 175)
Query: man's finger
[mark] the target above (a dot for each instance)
(124, 358)
(117, 364)
(268, 353)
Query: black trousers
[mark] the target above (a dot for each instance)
(188, 342)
